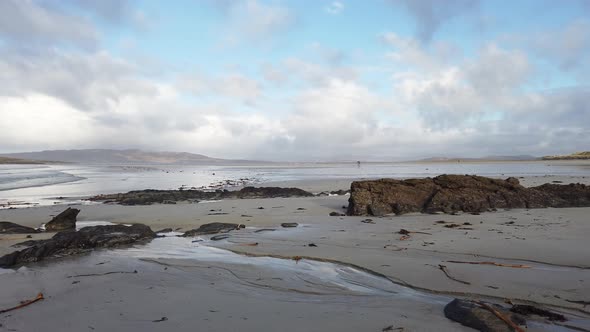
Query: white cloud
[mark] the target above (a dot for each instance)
(87, 81)
(335, 7)
(38, 122)
(254, 21)
(233, 85)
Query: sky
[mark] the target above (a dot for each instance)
(297, 80)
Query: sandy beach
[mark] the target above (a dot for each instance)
(355, 274)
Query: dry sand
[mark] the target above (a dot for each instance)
(211, 296)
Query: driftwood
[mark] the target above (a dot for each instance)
(446, 272)
(24, 303)
(501, 316)
(518, 266)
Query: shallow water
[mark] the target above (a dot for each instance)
(187, 265)
(24, 185)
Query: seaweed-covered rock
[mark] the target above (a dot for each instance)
(7, 227)
(267, 192)
(213, 228)
(150, 196)
(470, 314)
(72, 243)
(63, 221)
(454, 193)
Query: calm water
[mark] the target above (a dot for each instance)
(48, 184)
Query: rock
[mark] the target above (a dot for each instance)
(213, 228)
(63, 221)
(526, 310)
(150, 196)
(264, 230)
(458, 193)
(289, 224)
(165, 230)
(7, 227)
(336, 214)
(472, 315)
(72, 243)
(269, 192)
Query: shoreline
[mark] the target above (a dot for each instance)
(551, 242)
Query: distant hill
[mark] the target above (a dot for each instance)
(487, 158)
(6, 160)
(574, 156)
(132, 156)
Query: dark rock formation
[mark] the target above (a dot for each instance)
(73, 243)
(213, 228)
(289, 224)
(470, 314)
(526, 310)
(7, 227)
(453, 193)
(63, 221)
(165, 230)
(149, 196)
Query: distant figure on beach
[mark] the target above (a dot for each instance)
(358, 164)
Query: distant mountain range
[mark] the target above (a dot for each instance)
(487, 158)
(574, 156)
(131, 156)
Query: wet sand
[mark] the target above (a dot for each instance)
(195, 293)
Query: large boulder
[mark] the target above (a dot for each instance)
(7, 227)
(63, 221)
(472, 315)
(213, 228)
(453, 193)
(72, 243)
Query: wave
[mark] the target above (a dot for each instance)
(26, 177)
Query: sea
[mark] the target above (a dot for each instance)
(31, 185)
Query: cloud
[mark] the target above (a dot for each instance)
(27, 23)
(254, 21)
(88, 82)
(430, 15)
(335, 7)
(113, 11)
(233, 85)
(413, 100)
(569, 46)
